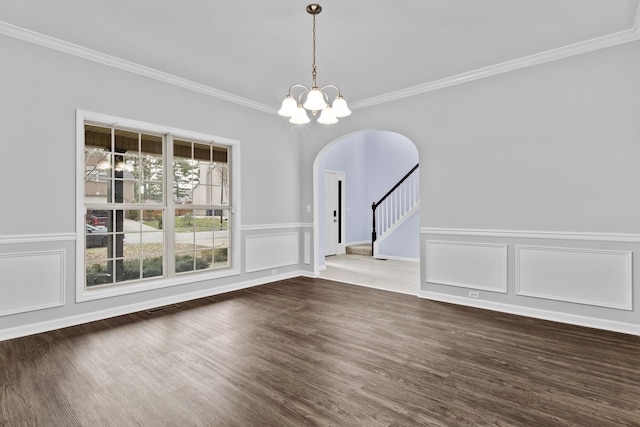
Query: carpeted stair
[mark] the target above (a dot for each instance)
(364, 249)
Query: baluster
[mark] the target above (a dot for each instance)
(403, 205)
(384, 217)
(395, 208)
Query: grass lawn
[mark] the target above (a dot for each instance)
(187, 222)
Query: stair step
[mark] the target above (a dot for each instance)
(360, 250)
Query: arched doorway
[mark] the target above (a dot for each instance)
(364, 166)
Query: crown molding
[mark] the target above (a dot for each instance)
(122, 64)
(586, 46)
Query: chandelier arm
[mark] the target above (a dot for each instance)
(332, 86)
(325, 97)
(298, 85)
(300, 97)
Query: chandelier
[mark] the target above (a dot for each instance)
(315, 99)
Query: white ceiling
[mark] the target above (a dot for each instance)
(256, 49)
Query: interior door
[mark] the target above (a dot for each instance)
(331, 213)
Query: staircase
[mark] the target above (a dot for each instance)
(364, 249)
(394, 207)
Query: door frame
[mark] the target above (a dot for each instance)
(341, 247)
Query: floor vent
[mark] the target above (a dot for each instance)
(163, 309)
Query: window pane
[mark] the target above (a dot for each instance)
(151, 175)
(203, 219)
(151, 144)
(184, 262)
(220, 195)
(153, 220)
(151, 192)
(152, 168)
(185, 173)
(97, 175)
(99, 272)
(184, 221)
(126, 141)
(152, 243)
(96, 236)
(222, 240)
(202, 152)
(128, 269)
(221, 219)
(221, 258)
(152, 267)
(184, 240)
(183, 170)
(97, 137)
(204, 259)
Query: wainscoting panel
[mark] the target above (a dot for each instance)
(585, 276)
(31, 281)
(468, 265)
(266, 251)
(307, 247)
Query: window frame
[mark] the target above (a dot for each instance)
(83, 293)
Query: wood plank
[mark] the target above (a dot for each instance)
(316, 352)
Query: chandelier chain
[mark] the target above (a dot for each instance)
(314, 73)
(314, 99)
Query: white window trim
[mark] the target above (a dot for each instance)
(84, 294)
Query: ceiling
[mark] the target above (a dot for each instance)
(252, 51)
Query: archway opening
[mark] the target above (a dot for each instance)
(349, 175)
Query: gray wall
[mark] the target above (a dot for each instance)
(547, 154)
(41, 90)
(549, 147)
(543, 156)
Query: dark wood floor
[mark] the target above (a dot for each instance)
(314, 352)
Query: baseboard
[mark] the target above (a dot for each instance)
(554, 316)
(36, 328)
(308, 274)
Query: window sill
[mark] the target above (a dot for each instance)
(85, 294)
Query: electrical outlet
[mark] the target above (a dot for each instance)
(274, 271)
(474, 294)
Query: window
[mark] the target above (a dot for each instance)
(157, 206)
(201, 213)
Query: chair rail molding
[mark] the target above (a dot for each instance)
(531, 234)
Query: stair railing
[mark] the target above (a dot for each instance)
(399, 200)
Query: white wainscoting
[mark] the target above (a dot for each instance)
(307, 247)
(267, 251)
(31, 281)
(465, 264)
(585, 276)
